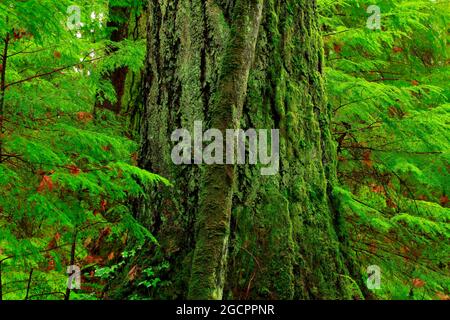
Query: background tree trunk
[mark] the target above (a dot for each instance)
(118, 23)
(125, 23)
(229, 232)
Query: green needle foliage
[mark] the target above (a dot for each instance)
(388, 88)
(66, 175)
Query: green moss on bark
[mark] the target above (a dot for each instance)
(230, 232)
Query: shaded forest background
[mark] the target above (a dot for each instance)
(72, 179)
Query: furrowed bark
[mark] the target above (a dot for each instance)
(227, 231)
(213, 221)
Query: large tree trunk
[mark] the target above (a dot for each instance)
(228, 231)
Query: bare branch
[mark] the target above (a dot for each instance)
(51, 72)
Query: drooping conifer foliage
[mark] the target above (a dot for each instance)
(67, 170)
(388, 89)
(87, 87)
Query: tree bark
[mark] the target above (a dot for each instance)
(4, 61)
(118, 23)
(227, 231)
(124, 23)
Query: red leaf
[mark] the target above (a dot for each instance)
(105, 232)
(51, 265)
(74, 170)
(376, 188)
(366, 158)
(443, 200)
(337, 48)
(390, 203)
(93, 259)
(84, 116)
(103, 204)
(57, 54)
(373, 247)
(394, 112)
(46, 183)
(404, 249)
(418, 283)
(442, 296)
(111, 255)
(415, 83)
(52, 244)
(397, 49)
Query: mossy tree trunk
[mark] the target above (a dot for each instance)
(125, 22)
(118, 24)
(227, 231)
